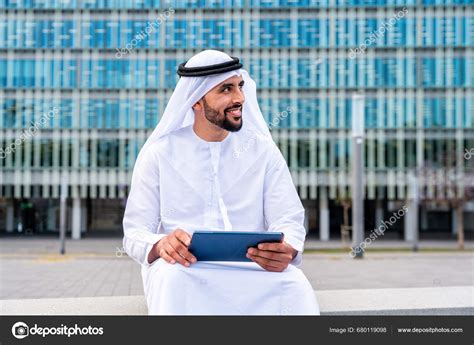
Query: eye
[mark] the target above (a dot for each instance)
(226, 89)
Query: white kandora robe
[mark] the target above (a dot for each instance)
(241, 183)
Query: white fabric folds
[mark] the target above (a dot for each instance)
(239, 184)
(219, 288)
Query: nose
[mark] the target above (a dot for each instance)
(239, 96)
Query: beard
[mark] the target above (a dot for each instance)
(214, 117)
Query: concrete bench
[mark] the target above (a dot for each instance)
(456, 300)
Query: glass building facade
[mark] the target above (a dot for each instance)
(84, 82)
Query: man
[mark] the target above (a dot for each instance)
(189, 177)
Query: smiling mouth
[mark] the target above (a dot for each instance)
(235, 113)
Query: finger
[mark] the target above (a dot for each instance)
(188, 256)
(272, 269)
(275, 256)
(268, 268)
(175, 255)
(264, 261)
(267, 264)
(275, 247)
(167, 257)
(183, 236)
(182, 250)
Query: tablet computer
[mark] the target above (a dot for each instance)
(228, 245)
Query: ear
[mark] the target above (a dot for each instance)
(198, 105)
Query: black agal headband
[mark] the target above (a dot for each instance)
(209, 70)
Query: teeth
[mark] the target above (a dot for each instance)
(235, 112)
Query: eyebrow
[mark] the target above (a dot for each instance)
(223, 86)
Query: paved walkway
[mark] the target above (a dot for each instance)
(32, 268)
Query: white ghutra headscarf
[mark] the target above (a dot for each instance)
(189, 90)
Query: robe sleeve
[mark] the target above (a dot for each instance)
(282, 206)
(141, 221)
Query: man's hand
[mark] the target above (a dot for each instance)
(274, 257)
(173, 248)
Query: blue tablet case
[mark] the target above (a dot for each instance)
(228, 245)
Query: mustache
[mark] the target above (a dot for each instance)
(234, 106)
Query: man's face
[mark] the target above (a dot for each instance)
(222, 105)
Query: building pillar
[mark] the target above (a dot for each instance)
(411, 222)
(52, 226)
(76, 219)
(458, 219)
(424, 218)
(411, 231)
(323, 216)
(454, 222)
(379, 214)
(10, 226)
(83, 219)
